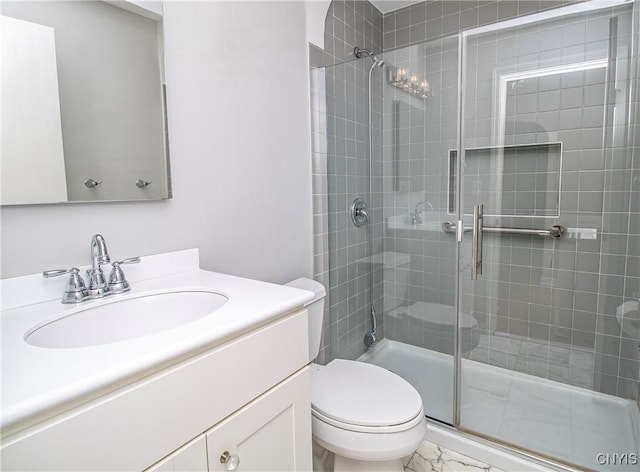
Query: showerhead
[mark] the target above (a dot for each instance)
(362, 52)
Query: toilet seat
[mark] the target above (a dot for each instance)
(362, 397)
(368, 429)
(366, 446)
(364, 412)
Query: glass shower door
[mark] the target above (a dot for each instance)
(420, 96)
(548, 173)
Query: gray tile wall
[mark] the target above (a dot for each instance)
(619, 280)
(628, 341)
(341, 174)
(349, 24)
(534, 290)
(348, 178)
(528, 178)
(547, 308)
(434, 19)
(418, 134)
(563, 293)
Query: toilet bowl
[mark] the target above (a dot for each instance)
(365, 417)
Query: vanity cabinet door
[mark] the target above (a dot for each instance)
(192, 457)
(273, 432)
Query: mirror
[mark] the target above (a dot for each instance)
(83, 103)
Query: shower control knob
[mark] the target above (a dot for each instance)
(229, 460)
(359, 212)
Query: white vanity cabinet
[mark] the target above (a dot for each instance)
(264, 435)
(192, 457)
(249, 395)
(268, 434)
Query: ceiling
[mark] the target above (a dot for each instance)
(386, 6)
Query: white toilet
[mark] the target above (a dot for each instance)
(367, 416)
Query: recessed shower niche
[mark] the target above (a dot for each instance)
(529, 184)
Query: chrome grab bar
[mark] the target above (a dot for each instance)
(555, 232)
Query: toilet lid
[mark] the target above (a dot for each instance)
(358, 393)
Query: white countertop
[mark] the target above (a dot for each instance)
(36, 380)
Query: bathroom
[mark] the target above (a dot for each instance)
(249, 155)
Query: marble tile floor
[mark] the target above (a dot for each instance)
(431, 457)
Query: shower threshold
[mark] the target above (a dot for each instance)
(573, 424)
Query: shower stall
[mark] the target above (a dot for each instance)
(501, 171)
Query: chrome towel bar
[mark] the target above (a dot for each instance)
(555, 232)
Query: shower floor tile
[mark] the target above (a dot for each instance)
(563, 421)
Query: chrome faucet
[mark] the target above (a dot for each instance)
(98, 286)
(76, 292)
(416, 216)
(99, 253)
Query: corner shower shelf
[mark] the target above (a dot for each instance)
(522, 180)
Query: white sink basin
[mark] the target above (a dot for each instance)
(119, 320)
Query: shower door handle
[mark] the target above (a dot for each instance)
(480, 235)
(476, 243)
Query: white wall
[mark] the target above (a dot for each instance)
(316, 16)
(238, 101)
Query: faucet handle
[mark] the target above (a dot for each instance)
(117, 281)
(75, 291)
(56, 272)
(130, 260)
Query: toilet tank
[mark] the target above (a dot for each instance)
(315, 307)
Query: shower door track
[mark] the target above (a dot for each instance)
(523, 453)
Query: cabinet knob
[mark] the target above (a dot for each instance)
(229, 460)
